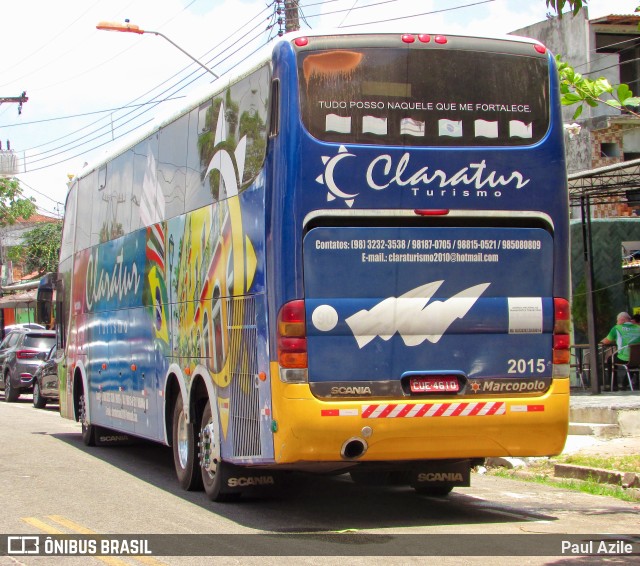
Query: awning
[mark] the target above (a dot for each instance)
(16, 300)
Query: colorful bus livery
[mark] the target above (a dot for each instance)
(351, 257)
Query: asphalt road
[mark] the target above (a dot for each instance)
(51, 483)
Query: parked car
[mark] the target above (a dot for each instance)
(22, 352)
(31, 325)
(45, 381)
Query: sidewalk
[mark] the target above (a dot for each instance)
(620, 446)
(583, 401)
(605, 425)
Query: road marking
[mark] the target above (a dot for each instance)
(81, 529)
(38, 524)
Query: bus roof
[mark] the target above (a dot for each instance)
(236, 73)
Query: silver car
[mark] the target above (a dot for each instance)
(22, 352)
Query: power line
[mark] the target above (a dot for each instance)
(154, 103)
(242, 46)
(84, 114)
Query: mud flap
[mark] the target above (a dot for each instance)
(441, 474)
(238, 479)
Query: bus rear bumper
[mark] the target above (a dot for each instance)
(310, 430)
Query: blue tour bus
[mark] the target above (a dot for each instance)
(350, 257)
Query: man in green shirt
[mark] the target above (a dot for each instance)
(625, 332)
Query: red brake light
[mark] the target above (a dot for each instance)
(561, 327)
(441, 39)
(424, 37)
(431, 211)
(301, 41)
(27, 354)
(540, 48)
(408, 38)
(292, 340)
(561, 316)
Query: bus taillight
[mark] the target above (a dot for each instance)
(431, 211)
(561, 338)
(292, 342)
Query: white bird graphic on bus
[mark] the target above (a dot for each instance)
(412, 316)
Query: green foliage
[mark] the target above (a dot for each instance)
(12, 204)
(558, 5)
(577, 89)
(40, 249)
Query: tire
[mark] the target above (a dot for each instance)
(88, 430)
(39, 402)
(185, 454)
(211, 465)
(11, 394)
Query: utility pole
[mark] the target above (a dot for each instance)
(20, 100)
(8, 167)
(291, 16)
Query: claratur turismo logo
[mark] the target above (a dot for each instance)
(385, 171)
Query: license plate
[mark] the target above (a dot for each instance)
(434, 385)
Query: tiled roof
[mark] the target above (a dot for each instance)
(617, 20)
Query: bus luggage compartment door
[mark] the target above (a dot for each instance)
(457, 303)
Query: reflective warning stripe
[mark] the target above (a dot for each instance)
(392, 410)
(527, 408)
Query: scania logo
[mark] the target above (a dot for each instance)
(250, 481)
(440, 476)
(362, 390)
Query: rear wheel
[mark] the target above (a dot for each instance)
(88, 430)
(185, 454)
(11, 394)
(211, 463)
(39, 402)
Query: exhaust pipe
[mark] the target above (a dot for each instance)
(353, 449)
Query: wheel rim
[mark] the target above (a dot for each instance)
(82, 417)
(36, 392)
(7, 387)
(182, 440)
(209, 449)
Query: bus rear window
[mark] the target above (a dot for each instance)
(426, 97)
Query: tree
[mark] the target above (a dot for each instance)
(12, 203)
(40, 249)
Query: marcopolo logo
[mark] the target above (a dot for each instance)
(508, 385)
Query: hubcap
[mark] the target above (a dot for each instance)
(183, 440)
(209, 450)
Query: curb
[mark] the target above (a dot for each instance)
(623, 479)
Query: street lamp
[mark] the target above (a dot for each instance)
(128, 27)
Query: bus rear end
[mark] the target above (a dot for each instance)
(426, 326)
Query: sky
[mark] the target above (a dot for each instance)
(89, 90)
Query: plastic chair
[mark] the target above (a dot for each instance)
(633, 365)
